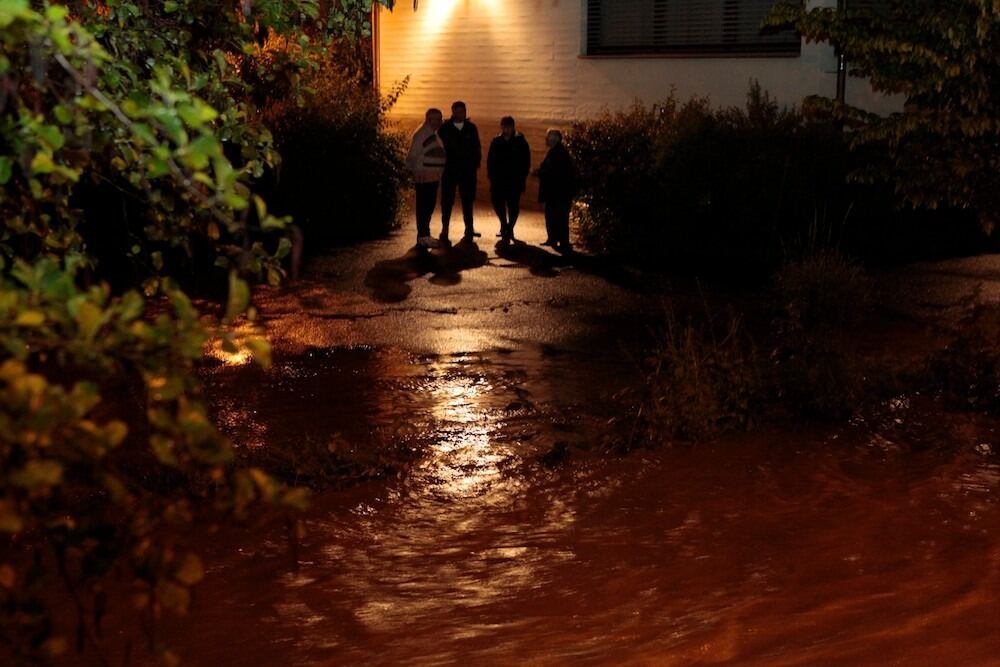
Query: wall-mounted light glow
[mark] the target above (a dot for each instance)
(437, 12)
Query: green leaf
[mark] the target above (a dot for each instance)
(265, 484)
(131, 306)
(62, 114)
(11, 10)
(297, 499)
(30, 318)
(56, 13)
(163, 449)
(6, 169)
(261, 351)
(239, 296)
(89, 318)
(196, 114)
(115, 432)
(42, 164)
(38, 474)
(51, 136)
(234, 201)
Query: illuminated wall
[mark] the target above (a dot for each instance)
(522, 57)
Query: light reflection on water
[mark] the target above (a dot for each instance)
(463, 462)
(453, 495)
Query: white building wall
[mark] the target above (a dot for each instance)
(523, 58)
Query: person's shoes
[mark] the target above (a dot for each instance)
(472, 234)
(428, 242)
(549, 243)
(443, 241)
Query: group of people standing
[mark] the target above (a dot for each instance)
(447, 156)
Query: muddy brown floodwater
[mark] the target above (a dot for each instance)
(876, 543)
(870, 543)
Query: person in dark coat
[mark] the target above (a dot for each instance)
(508, 164)
(464, 153)
(557, 187)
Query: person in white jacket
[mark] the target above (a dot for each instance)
(426, 161)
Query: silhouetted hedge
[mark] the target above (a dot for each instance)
(691, 187)
(341, 169)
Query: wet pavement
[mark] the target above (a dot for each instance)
(467, 298)
(510, 539)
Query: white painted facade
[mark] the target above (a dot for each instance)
(523, 58)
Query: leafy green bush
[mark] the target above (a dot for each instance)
(107, 454)
(941, 149)
(342, 172)
(106, 449)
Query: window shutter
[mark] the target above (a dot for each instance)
(684, 27)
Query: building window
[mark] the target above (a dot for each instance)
(685, 27)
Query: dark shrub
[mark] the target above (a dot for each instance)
(967, 371)
(701, 378)
(341, 167)
(823, 300)
(688, 187)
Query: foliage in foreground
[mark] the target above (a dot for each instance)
(106, 449)
(129, 129)
(942, 57)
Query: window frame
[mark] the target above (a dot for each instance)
(591, 50)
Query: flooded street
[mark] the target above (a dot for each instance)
(512, 537)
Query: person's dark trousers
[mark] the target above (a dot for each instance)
(466, 186)
(557, 222)
(508, 208)
(426, 202)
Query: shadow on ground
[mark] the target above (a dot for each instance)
(389, 280)
(545, 264)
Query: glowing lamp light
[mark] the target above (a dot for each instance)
(436, 12)
(439, 10)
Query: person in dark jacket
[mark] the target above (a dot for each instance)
(507, 165)
(464, 153)
(556, 190)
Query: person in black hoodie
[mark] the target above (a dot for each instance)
(464, 156)
(507, 165)
(556, 190)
